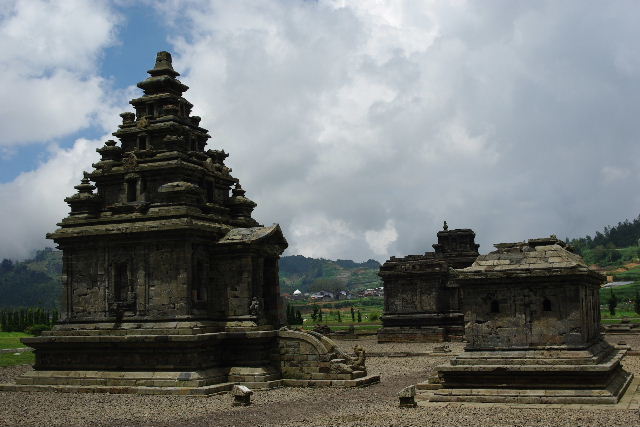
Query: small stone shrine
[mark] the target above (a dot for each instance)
(532, 323)
(170, 286)
(420, 305)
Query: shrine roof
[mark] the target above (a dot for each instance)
(253, 234)
(546, 256)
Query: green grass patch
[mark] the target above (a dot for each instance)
(12, 339)
(12, 359)
(618, 320)
(624, 292)
(631, 274)
(620, 314)
(370, 309)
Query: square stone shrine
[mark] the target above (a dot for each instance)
(532, 326)
(420, 305)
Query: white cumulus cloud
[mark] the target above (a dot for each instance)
(379, 240)
(516, 119)
(495, 116)
(51, 88)
(34, 201)
(50, 51)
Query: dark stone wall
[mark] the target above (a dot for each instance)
(417, 292)
(167, 279)
(414, 295)
(132, 275)
(516, 315)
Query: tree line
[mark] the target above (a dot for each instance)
(32, 320)
(626, 233)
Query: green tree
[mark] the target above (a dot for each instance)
(359, 316)
(613, 303)
(613, 255)
(599, 254)
(339, 316)
(320, 315)
(353, 314)
(636, 303)
(19, 320)
(314, 315)
(298, 318)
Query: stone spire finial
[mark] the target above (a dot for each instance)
(238, 191)
(85, 186)
(163, 60)
(445, 227)
(163, 65)
(241, 206)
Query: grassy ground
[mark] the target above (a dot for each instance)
(624, 292)
(11, 359)
(631, 274)
(12, 339)
(370, 311)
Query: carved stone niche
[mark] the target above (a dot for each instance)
(122, 295)
(200, 281)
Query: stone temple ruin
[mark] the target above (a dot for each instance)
(532, 325)
(170, 286)
(420, 303)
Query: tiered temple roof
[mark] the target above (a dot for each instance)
(159, 171)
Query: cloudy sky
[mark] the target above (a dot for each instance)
(359, 126)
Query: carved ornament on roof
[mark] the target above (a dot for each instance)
(143, 122)
(130, 162)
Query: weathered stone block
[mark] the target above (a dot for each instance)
(407, 397)
(241, 395)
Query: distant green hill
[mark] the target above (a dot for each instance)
(313, 274)
(35, 282)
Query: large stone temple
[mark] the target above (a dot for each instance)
(532, 326)
(169, 284)
(420, 304)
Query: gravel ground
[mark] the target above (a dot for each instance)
(370, 344)
(374, 405)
